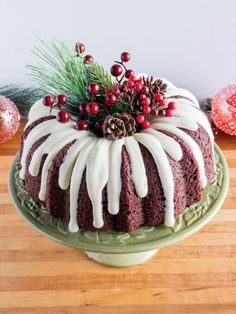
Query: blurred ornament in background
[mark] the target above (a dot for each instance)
(223, 109)
(9, 119)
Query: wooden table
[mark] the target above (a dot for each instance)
(197, 275)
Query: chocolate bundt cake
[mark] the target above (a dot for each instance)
(147, 178)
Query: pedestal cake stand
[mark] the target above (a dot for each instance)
(121, 248)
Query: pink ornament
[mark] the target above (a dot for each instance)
(224, 109)
(9, 119)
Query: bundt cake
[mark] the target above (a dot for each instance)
(114, 151)
(147, 177)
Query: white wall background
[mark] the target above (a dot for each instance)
(190, 42)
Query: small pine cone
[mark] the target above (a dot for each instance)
(118, 125)
(155, 86)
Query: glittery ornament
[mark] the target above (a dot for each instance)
(9, 119)
(224, 109)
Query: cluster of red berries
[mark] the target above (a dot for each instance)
(63, 115)
(137, 90)
(129, 90)
(80, 49)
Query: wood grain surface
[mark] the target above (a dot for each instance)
(38, 275)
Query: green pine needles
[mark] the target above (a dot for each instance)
(62, 71)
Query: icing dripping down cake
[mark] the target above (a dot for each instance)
(147, 178)
(113, 151)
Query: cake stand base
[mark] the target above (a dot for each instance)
(121, 260)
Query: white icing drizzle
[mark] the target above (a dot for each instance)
(175, 91)
(65, 170)
(38, 132)
(75, 181)
(184, 109)
(47, 147)
(137, 166)
(164, 170)
(53, 152)
(97, 174)
(114, 181)
(38, 110)
(168, 143)
(192, 145)
(179, 122)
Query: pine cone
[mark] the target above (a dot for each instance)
(155, 86)
(118, 125)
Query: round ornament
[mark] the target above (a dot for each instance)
(9, 119)
(224, 109)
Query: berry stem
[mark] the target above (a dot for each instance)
(106, 110)
(125, 69)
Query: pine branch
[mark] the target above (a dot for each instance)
(23, 97)
(62, 72)
(96, 73)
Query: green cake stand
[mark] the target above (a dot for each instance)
(121, 248)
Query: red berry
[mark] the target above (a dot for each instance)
(168, 113)
(94, 88)
(83, 125)
(171, 105)
(162, 102)
(111, 98)
(62, 99)
(116, 70)
(146, 109)
(145, 90)
(146, 124)
(116, 91)
(107, 90)
(139, 81)
(48, 100)
(125, 57)
(132, 78)
(81, 47)
(124, 89)
(88, 58)
(138, 87)
(162, 113)
(146, 101)
(158, 97)
(128, 73)
(154, 112)
(130, 84)
(106, 102)
(140, 118)
(84, 106)
(99, 124)
(93, 108)
(63, 116)
(142, 96)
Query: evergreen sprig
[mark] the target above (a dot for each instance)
(65, 72)
(96, 73)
